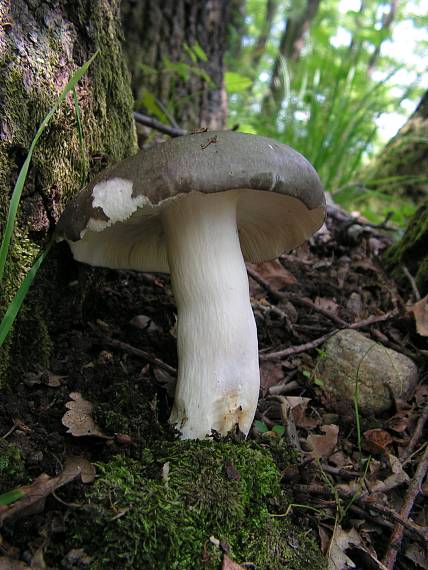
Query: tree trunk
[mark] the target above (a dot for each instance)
(404, 162)
(175, 54)
(290, 48)
(260, 46)
(41, 45)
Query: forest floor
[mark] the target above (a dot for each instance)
(113, 372)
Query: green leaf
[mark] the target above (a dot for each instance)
(199, 52)
(147, 69)
(261, 426)
(280, 430)
(11, 497)
(236, 83)
(80, 134)
(150, 103)
(181, 68)
(190, 52)
(203, 74)
(19, 186)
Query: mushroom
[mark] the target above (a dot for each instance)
(197, 207)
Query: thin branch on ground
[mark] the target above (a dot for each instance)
(366, 503)
(113, 343)
(268, 308)
(409, 500)
(320, 340)
(412, 282)
(158, 126)
(417, 434)
(12, 429)
(284, 388)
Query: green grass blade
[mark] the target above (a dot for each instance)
(80, 133)
(17, 191)
(11, 497)
(17, 301)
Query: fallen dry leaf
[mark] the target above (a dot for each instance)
(7, 563)
(417, 553)
(421, 395)
(420, 314)
(376, 440)
(398, 476)
(340, 541)
(79, 420)
(401, 421)
(327, 304)
(54, 380)
(299, 407)
(77, 558)
(229, 564)
(323, 445)
(271, 374)
(275, 273)
(34, 495)
(231, 472)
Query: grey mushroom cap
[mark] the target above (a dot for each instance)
(115, 220)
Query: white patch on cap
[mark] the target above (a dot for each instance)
(114, 197)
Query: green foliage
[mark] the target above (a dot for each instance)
(236, 82)
(10, 496)
(332, 95)
(160, 511)
(12, 468)
(173, 71)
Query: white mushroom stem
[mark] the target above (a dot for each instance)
(218, 371)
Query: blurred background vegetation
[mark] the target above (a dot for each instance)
(335, 79)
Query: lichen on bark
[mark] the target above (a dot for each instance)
(41, 45)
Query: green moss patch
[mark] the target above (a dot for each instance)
(160, 511)
(12, 466)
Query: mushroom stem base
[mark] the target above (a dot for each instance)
(218, 372)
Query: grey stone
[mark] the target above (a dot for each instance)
(351, 360)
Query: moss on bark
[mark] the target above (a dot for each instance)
(161, 511)
(38, 53)
(412, 251)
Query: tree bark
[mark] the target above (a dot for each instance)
(41, 45)
(290, 48)
(260, 46)
(166, 67)
(405, 162)
(387, 19)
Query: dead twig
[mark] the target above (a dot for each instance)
(158, 126)
(412, 492)
(288, 422)
(417, 434)
(412, 282)
(268, 308)
(12, 429)
(320, 340)
(113, 343)
(366, 503)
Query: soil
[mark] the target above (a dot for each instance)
(307, 294)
